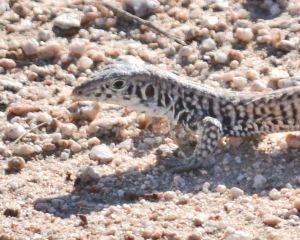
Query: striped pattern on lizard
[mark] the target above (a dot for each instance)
(209, 112)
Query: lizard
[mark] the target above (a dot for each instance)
(211, 113)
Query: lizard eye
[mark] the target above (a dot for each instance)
(119, 84)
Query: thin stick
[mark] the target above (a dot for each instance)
(30, 130)
(129, 16)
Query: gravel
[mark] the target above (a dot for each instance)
(87, 170)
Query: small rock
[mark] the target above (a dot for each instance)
(258, 86)
(194, 236)
(141, 8)
(208, 45)
(93, 141)
(68, 23)
(65, 155)
(221, 57)
(244, 34)
(40, 117)
(236, 192)
(7, 63)
(75, 147)
(67, 129)
(277, 74)
(44, 35)
(165, 150)
(84, 110)
(85, 176)
(232, 234)
(16, 164)
(286, 45)
(50, 50)
(10, 84)
(30, 47)
(13, 210)
(274, 194)
(77, 47)
(259, 181)
(297, 204)
(239, 82)
(84, 63)
(20, 109)
(211, 22)
(14, 131)
(293, 140)
(271, 220)
(169, 196)
(24, 150)
(252, 74)
(101, 153)
(221, 188)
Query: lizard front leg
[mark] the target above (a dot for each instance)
(209, 132)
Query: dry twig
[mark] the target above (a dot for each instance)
(129, 16)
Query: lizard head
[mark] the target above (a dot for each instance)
(130, 85)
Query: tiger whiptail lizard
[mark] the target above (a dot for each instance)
(209, 112)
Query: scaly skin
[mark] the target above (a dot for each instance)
(210, 113)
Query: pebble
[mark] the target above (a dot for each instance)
(67, 129)
(93, 141)
(297, 204)
(44, 35)
(221, 188)
(288, 82)
(235, 192)
(286, 45)
(25, 24)
(244, 34)
(141, 8)
(252, 74)
(30, 47)
(239, 82)
(20, 109)
(84, 63)
(271, 220)
(86, 176)
(10, 84)
(208, 45)
(169, 196)
(274, 194)
(102, 154)
(84, 110)
(75, 147)
(16, 164)
(14, 131)
(221, 57)
(232, 234)
(12, 210)
(277, 74)
(67, 23)
(7, 63)
(259, 181)
(65, 155)
(50, 50)
(165, 150)
(24, 150)
(40, 117)
(77, 47)
(258, 86)
(211, 22)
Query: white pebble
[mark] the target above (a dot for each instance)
(221, 188)
(101, 153)
(141, 8)
(211, 22)
(208, 44)
(14, 131)
(84, 63)
(67, 21)
(67, 129)
(277, 74)
(236, 192)
(24, 150)
(221, 57)
(77, 47)
(40, 117)
(239, 82)
(258, 86)
(244, 34)
(30, 47)
(44, 35)
(274, 194)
